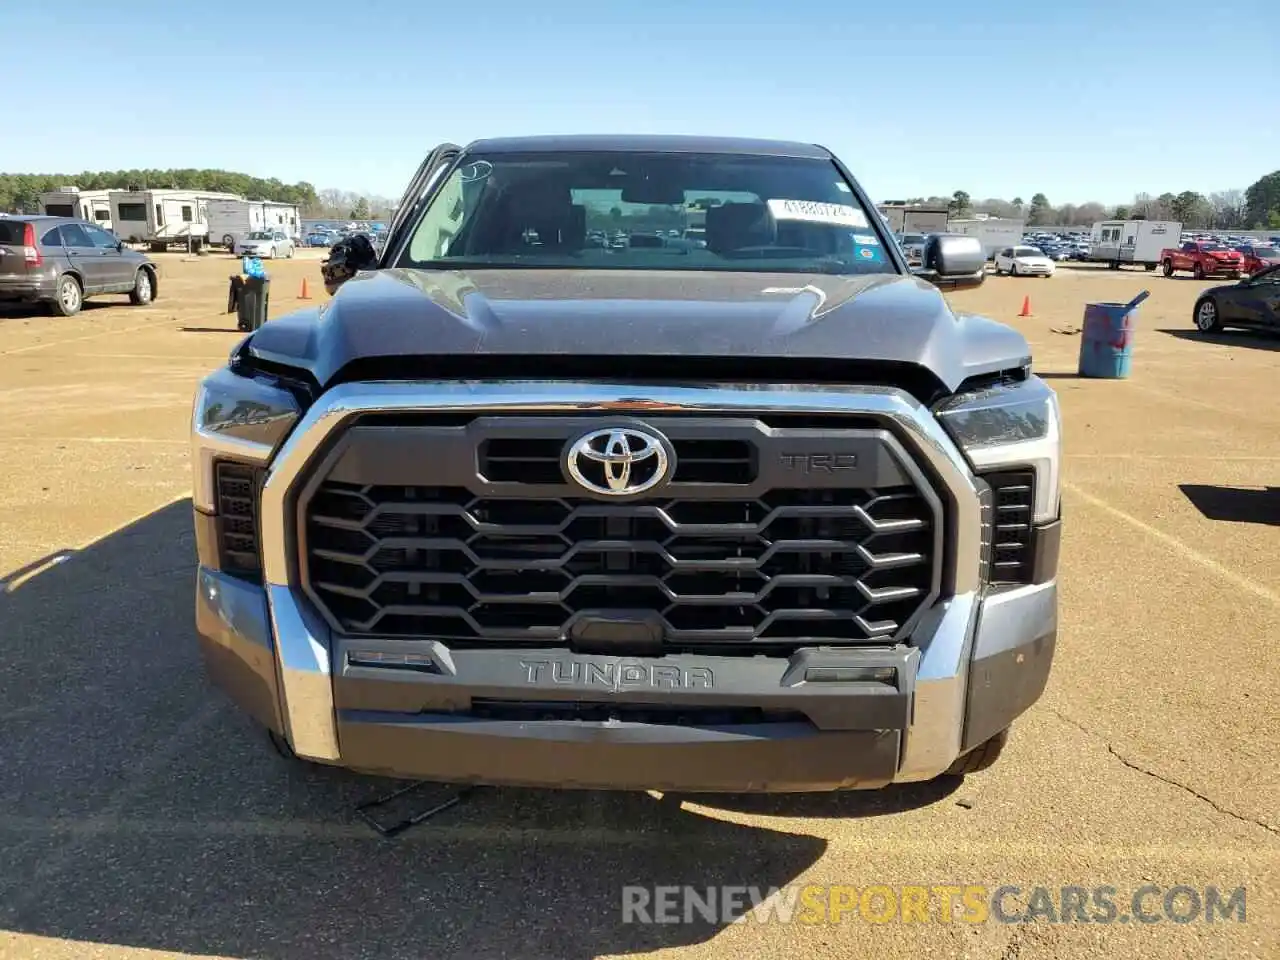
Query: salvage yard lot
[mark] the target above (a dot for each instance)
(141, 816)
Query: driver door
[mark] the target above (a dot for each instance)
(419, 190)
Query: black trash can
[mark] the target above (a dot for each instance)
(249, 298)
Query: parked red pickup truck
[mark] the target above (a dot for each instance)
(1202, 258)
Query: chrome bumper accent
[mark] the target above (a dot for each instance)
(945, 633)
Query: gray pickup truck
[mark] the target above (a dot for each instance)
(761, 513)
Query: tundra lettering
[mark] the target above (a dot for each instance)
(617, 676)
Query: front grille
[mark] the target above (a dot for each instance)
(789, 567)
(1012, 501)
(536, 460)
(237, 487)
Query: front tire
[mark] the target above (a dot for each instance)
(1207, 318)
(144, 288)
(1198, 271)
(980, 757)
(1167, 268)
(69, 297)
(1013, 270)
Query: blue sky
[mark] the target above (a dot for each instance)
(1079, 99)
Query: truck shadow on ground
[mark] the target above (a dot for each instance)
(1235, 504)
(138, 808)
(1227, 338)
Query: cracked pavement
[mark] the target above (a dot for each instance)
(142, 817)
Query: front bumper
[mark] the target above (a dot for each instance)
(822, 718)
(421, 710)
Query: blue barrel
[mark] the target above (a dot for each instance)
(1106, 341)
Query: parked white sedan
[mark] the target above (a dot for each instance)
(1024, 262)
(268, 244)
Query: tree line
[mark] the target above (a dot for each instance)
(1255, 208)
(20, 192)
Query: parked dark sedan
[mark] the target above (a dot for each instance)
(61, 261)
(1252, 302)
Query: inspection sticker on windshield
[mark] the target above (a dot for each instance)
(839, 214)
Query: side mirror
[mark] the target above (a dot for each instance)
(953, 261)
(119, 246)
(347, 257)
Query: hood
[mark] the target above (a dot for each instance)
(646, 315)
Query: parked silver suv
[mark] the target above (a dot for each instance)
(62, 261)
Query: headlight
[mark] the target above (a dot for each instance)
(1012, 425)
(235, 418)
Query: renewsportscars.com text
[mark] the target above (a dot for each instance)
(938, 903)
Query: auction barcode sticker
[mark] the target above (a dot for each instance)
(815, 212)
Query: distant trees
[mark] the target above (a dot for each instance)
(1257, 208)
(1041, 211)
(20, 192)
(1262, 202)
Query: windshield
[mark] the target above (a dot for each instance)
(647, 211)
(259, 235)
(1212, 247)
(1028, 252)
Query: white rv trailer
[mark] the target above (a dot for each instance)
(994, 233)
(91, 205)
(162, 218)
(913, 217)
(1116, 242)
(230, 221)
(285, 217)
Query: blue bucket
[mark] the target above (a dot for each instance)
(1106, 342)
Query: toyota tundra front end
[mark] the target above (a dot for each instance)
(513, 509)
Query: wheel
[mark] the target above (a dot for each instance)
(1206, 316)
(980, 757)
(272, 255)
(1198, 271)
(69, 298)
(144, 289)
(229, 242)
(1167, 268)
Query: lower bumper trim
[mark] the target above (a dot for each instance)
(770, 758)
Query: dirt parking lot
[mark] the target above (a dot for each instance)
(140, 815)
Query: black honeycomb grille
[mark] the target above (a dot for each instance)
(789, 567)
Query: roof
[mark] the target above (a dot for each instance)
(650, 143)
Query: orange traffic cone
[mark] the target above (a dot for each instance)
(305, 292)
(1026, 307)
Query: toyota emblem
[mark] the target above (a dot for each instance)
(619, 461)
